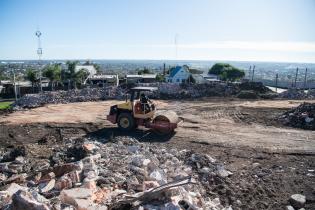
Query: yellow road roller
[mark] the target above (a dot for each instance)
(139, 110)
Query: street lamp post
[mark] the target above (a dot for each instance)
(39, 53)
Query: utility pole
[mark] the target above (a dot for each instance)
(249, 71)
(253, 73)
(276, 82)
(305, 79)
(39, 53)
(296, 74)
(164, 69)
(15, 93)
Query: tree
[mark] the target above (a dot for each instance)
(144, 71)
(226, 72)
(232, 75)
(81, 75)
(53, 73)
(3, 76)
(70, 74)
(160, 78)
(97, 68)
(31, 76)
(219, 68)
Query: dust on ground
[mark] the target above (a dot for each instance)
(270, 162)
(209, 121)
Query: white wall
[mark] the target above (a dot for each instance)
(181, 75)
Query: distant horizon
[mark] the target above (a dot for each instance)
(170, 60)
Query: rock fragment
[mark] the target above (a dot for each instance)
(22, 200)
(297, 201)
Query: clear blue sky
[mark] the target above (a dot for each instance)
(263, 30)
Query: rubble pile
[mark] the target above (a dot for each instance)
(86, 94)
(302, 116)
(165, 91)
(247, 94)
(254, 86)
(311, 93)
(184, 91)
(187, 91)
(124, 174)
(294, 93)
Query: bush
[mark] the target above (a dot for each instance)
(226, 71)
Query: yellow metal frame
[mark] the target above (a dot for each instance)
(127, 105)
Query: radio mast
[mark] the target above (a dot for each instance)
(39, 53)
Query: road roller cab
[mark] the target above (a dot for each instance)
(139, 110)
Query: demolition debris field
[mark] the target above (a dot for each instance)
(269, 161)
(226, 122)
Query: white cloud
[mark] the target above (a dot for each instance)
(256, 46)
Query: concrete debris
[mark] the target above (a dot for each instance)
(247, 94)
(114, 175)
(70, 96)
(46, 186)
(13, 188)
(297, 201)
(294, 93)
(302, 116)
(165, 91)
(289, 208)
(22, 200)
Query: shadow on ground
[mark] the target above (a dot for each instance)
(139, 134)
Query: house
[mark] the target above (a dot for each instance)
(211, 78)
(142, 78)
(132, 78)
(103, 80)
(198, 79)
(148, 78)
(178, 74)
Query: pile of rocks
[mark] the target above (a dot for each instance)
(124, 174)
(189, 91)
(165, 91)
(257, 87)
(302, 116)
(297, 94)
(87, 94)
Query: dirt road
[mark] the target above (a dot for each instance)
(210, 121)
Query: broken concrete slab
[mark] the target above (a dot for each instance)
(68, 196)
(22, 200)
(46, 186)
(297, 201)
(13, 188)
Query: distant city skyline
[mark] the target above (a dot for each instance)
(242, 30)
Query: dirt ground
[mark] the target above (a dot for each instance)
(269, 162)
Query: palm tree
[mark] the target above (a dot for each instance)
(53, 73)
(70, 74)
(31, 76)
